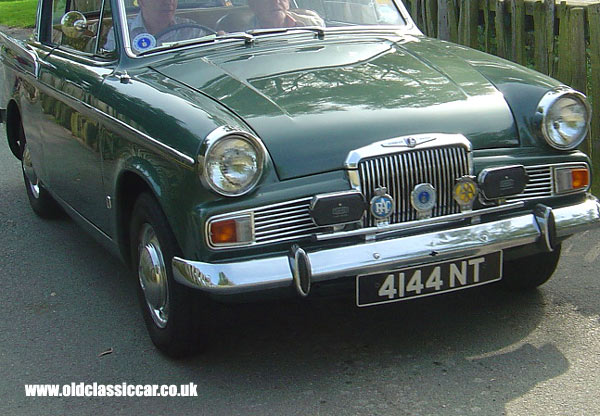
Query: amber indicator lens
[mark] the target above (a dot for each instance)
(569, 179)
(223, 232)
(237, 230)
(580, 178)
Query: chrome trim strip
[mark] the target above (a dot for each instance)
(380, 256)
(181, 157)
(126, 44)
(418, 224)
(38, 21)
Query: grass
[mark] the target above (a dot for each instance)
(18, 13)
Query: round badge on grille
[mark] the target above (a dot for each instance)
(381, 205)
(423, 199)
(465, 192)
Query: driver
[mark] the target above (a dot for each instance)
(151, 26)
(276, 13)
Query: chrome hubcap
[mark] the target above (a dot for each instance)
(153, 276)
(34, 182)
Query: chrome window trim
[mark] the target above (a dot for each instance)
(215, 136)
(38, 21)
(548, 100)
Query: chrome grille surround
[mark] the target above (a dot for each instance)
(290, 220)
(541, 182)
(400, 164)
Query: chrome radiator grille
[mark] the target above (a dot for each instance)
(400, 172)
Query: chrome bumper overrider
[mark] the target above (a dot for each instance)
(301, 268)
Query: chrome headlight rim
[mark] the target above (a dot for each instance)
(549, 100)
(226, 133)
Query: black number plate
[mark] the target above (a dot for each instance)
(429, 279)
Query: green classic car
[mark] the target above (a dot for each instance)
(238, 151)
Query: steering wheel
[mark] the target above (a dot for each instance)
(179, 26)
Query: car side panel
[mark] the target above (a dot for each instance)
(71, 142)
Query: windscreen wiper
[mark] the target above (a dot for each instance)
(318, 30)
(246, 37)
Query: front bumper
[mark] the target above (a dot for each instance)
(302, 268)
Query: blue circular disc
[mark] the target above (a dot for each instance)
(143, 42)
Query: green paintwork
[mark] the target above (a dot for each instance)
(310, 100)
(342, 93)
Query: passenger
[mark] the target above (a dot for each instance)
(276, 13)
(154, 19)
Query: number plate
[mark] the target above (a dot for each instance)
(427, 280)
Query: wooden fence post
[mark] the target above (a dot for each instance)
(452, 20)
(550, 16)
(578, 61)
(594, 28)
(518, 31)
(431, 11)
(500, 33)
(540, 38)
(472, 23)
(486, 29)
(562, 72)
(443, 31)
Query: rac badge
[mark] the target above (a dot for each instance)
(423, 200)
(381, 205)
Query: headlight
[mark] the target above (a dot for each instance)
(566, 118)
(233, 162)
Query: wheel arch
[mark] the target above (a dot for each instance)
(130, 185)
(14, 131)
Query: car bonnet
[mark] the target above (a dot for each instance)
(312, 102)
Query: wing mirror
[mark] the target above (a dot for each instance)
(74, 25)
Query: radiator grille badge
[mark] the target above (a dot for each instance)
(423, 199)
(381, 205)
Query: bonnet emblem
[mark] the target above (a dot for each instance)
(408, 141)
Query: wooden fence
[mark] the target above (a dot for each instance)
(559, 39)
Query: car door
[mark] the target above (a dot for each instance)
(72, 67)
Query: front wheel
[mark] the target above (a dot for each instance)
(171, 311)
(530, 272)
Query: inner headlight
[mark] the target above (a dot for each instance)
(233, 164)
(566, 117)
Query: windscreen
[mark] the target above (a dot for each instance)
(153, 24)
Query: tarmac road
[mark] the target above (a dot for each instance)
(483, 351)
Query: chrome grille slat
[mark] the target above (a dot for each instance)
(269, 239)
(401, 172)
(282, 224)
(288, 211)
(280, 233)
(540, 183)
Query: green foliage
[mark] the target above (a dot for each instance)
(18, 13)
